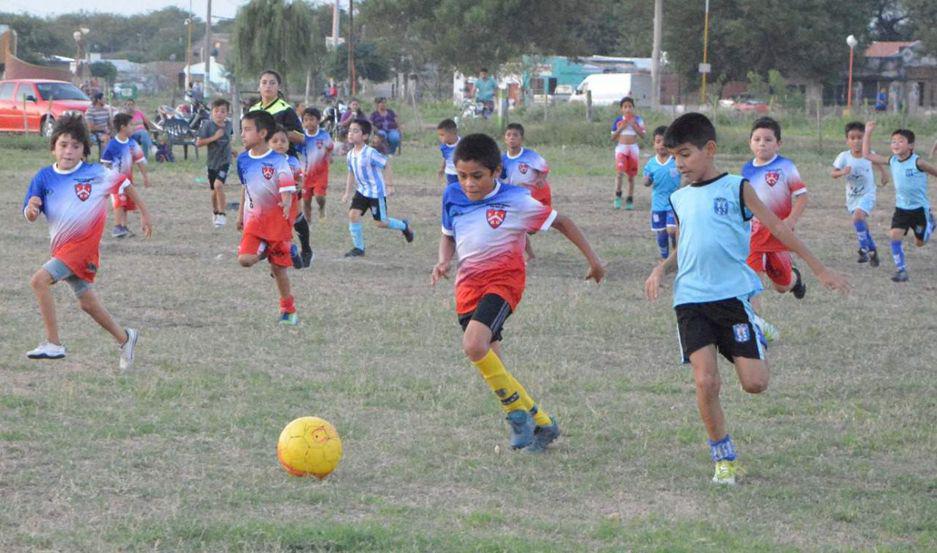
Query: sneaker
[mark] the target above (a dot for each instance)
(800, 289)
(617, 202)
(900, 276)
(355, 252)
(768, 330)
(289, 319)
(863, 257)
(126, 350)
(543, 436)
(629, 204)
(407, 232)
(308, 257)
(294, 255)
(220, 220)
(522, 428)
(873, 258)
(47, 350)
(725, 473)
(119, 231)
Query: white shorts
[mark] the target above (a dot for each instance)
(865, 202)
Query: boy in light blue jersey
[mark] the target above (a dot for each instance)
(448, 133)
(661, 173)
(860, 189)
(912, 206)
(714, 283)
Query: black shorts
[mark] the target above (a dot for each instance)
(377, 206)
(727, 324)
(492, 310)
(217, 174)
(913, 219)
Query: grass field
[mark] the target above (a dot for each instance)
(840, 453)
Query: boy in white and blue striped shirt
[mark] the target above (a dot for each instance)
(366, 168)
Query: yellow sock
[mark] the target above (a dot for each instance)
(509, 391)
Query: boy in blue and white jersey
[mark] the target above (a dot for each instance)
(448, 133)
(714, 283)
(660, 172)
(912, 206)
(860, 189)
(366, 168)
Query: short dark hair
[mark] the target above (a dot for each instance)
(478, 147)
(693, 128)
(483, 70)
(121, 120)
(219, 102)
(263, 120)
(767, 123)
(515, 127)
(447, 125)
(626, 99)
(363, 124)
(73, 126)
(660, 131)
(313, 112)
(855, 126)
(907, 133)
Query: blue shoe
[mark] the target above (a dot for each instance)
(407, 232)
(522, 428)
(294, 255)
(289, 319)
(544, 436)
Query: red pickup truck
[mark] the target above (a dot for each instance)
(33, 105)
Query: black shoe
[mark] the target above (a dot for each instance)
(308, 257)
(900, 276)
(863, 257)
(355, 252)
(407, 233)
(800, 289)
(873, 258)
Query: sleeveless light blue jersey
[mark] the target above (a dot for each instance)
(713, 242)
(910, 183)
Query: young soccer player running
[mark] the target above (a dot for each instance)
(448, 133)
(267, 206)
(366, 167)
(216, 133)
(714, 283)
(280, 143)
(912, 206)
(626, 130)
(661, 173)
(121, 154)
(524, 167)
(73, 195)
(860, 189)
(485, 223)
(318, 152)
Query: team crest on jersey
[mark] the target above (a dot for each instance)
(523, 167)
(721, 206)
(772, 177)
(319, 144)
(495, 217)
(268, 171)
(83, 190)
(741, 332)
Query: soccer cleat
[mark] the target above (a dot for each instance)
(522, 428)
(543, 436)
(725, 473)
(119, 231)
(47, 350)
(863, 257)
(900, 276)
(873, 258)
(308, 257)
(289, 319)
(222, 219)
(355, 252)
(294, 255)
(126, 350)
(617, 202)
(629, 204)
(800, 289)
(407, 232)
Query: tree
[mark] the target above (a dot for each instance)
(924, 15)
(369, 64)
(104, 70)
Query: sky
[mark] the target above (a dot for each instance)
(222, 8)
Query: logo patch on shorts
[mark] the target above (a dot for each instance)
(83, 190)
(772, 177)
(721, 206)
(741, 332)
(495, 217)
(268, 171)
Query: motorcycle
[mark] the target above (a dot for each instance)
(473, 109)
(331, 116)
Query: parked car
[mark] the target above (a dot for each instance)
(748, 105)
(609, 88)
(43, 100)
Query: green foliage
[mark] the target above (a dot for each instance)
(105, 70)
(369, 63)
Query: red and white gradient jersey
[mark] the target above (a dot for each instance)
(75, 205)
(296, 168)
(776, 183)
(523, 169)
(490, 235)
(265, 178)
(318, 150)
(120, 156)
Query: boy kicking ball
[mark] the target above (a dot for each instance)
(73, 195)
(485, 223)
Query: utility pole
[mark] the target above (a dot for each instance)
(207, 59)
(655, 54)
(704, 67)
(352, 79)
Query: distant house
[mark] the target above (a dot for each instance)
(908, 76)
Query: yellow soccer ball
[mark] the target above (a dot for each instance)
(309, 446)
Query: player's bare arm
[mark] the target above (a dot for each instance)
(286, 200)
(446, 251)
(31, 212)
(240, 219)
(132, 193)
(648, 180)
(837, 173)
(867, 145)
(782, 232)
(652, 284)
(926, 167)
(349, 183)
(884, 172)
(146, 176)
(571, 231)
(389, 178)
(797, 210)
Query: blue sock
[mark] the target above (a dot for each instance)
(396, 224)
(723, 450)
(357, 235)
(897, 252)
(663, 243)
(862, 233)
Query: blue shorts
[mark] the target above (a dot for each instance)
(60, 271)
(451, 179)
(661, 220)
(865, 202)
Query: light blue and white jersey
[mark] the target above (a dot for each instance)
(860, 182)
(447, 151)
(367, 166)
(713, 242)
(910, 183)
(665, 180)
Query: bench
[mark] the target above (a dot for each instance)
(179, 133)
